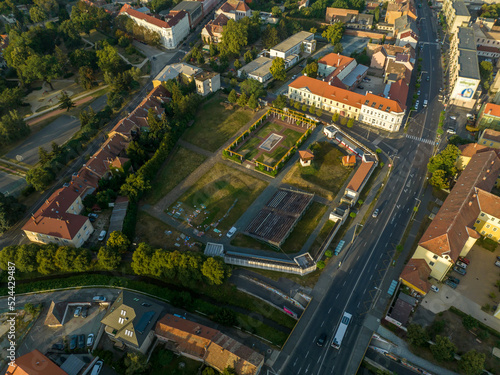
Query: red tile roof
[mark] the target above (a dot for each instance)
(471, 149)
(349, 160)
(452, 226)
(399, 92)
(408, 33)
(100, 161)
(488, 203)
(488, 49)
(417, 272)
(492, 109)
(336, 60)
(360, 176)
(491, 135)
(172, 20)
(306, 155)
(34, 363)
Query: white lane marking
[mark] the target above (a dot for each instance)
(307, 354)
(330, 309)
(322, 325)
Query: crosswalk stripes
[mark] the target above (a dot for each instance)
(423, 140)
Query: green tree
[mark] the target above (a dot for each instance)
(312, 109)
(350, 123)
(417, 335)
(469, 322)
(439, 179)
(234, 37)
(328, 253)
(232, 97)
(278, 69)
(445, 161)
(335, 117)
(311, 70)
(135, 185)
(135, 363)
(270, 37)
(10, 212)
(319, 112)
(37, 14)
(443, 349)
(39, 177)
(108, 258)
(252, 86)
(108, 60)
(376, 14)
(213, 270)
(334, 33)
(338, 48)
(248, 56)
(25, 258)
(472, 362)
(304, 108)
(276, 11)
(64, 257)
(320, 264)
(242, 100)
(118, 242)
(229, 371)
(226, 317)
(141, 259)
(280, 102)
(45, 259)
(209, 371)
(86, 77)
(252, 102)
(65, 102)
(237, 64)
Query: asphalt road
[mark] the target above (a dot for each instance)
(389, 364)
(354, 286)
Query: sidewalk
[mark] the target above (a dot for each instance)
(400, 348)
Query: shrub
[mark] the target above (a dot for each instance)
(320, 265)
(328, 253)
(469, 322)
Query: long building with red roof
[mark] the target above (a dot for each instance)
(370, 109)
(172, 30)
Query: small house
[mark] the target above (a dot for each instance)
(306, 158)
(349, 160)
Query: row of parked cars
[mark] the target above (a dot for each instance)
(78, 341)
(460, 267)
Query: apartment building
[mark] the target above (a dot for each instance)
(370, 109)
(301, 41)
(469, 212)
(464, 68)
(489, 117)
(456, 14)
(194, 9)
(234, 10)
(212, 31)
(400, 8)
(490, 138)
(487, 38)
(172, 30)
(207, 82)
(335, 65)
(382, 54)
(350, 18)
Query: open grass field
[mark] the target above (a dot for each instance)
(181, 163)
(325, 176)
(153, 231)
(250, 149)
(214, 124)
(304, 228)
(217, 191)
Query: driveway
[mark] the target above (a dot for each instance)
(59, 131)
(353, 44)
(159, 57)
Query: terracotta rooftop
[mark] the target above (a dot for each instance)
(492, 109)
(171, 21)
(453, 224)
(99, 162)
(399, 92)
(336, 60)
(232, 6)
(34, 363)
(488, 49)
(332, 12)
(470, 149)
(491, 135)
(306, 155)
(55, 314)
(360, 176)
(407, 34)
(417, 272)
(488, 203)
(349, 159)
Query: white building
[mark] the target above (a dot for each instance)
(258, 69)
(172, 31)
(234, 10)
(370, 109)
(207, 82)
(336, 63)
(292, 45)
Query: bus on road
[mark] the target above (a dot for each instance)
(344, 323)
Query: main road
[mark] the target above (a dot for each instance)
(353, 283)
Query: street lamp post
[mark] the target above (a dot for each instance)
(354, 233)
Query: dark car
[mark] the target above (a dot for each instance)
(58, 346)
(464, 260)
(81, 341)
(451, 284)
(428, 79)
(498, 258)
(321, 339)
(459, 270)
(72, 344)
(85, 311)
(455, 280)
(360, 87)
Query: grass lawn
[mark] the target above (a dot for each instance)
(308, 280)
(325, 176)
(95, 36)
(181, 163)
(218, 190)
(135, 58)
(304, 228)
(487, 244)
(243, 240)
(164, 361)
(151, 230)
(268, 128)
(214, 124)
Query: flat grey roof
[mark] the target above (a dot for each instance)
(466, 38)
(188, 6)
(353, 76)
(460, 8)
(469, 67)
(292, 41)
(255, 64)
(263, 70)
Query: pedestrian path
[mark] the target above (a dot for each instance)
(424, 140)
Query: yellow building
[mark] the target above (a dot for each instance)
(468, 212)
(490, 138)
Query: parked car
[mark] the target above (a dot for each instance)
(375, 213)
(498, 257)
(453, 279)
(461, 271)
(95, 216)
(418, 92)
(321, 340)
(81, 341)
(102, 235)
(497, 263)
(78, 311)
(451, 284)
(72, 344)
(465, 260)
(434, 288)
(90, 339)
(453, 118)
(99, 299)
(417, 104)
(425, 103)
(97, 368)
(361, 87)
(58, 346)
(461, 264)
(231, 232)
(85, 311)
(451, 130)
(428, 79)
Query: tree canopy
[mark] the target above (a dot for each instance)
(252, 87)
(234, 37)
(10, 211)
(443, 349)
(472, 362)
(443, 166)
(334, 33)
(278, 69)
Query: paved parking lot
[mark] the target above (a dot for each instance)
(353, 44)
(376, 85)
(101, 223)
(42, 337)
(10, 183)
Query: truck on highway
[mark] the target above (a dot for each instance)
(339, 335)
